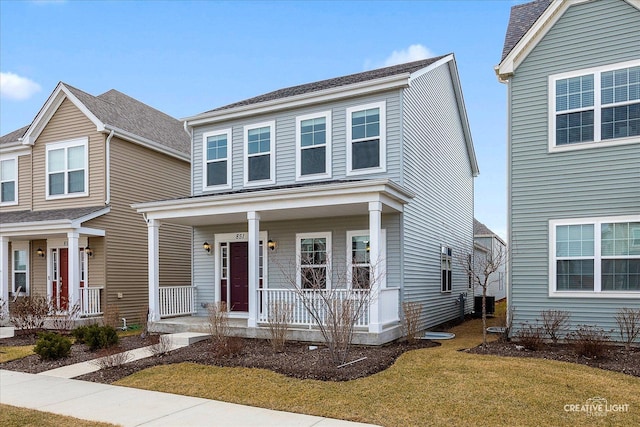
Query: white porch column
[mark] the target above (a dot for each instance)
(253, 219)
(73, 273)
(4, 275)
(153, 227)
(375, 256)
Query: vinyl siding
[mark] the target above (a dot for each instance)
(24, 186)
(139, 175)
(282, 261)
(286, 141)
(38, 268)
(437, 168)
(97, 263)
(68, 123)
(603, 181)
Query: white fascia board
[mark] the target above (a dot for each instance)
(50, 107)
(36, 227)
(147, 143)
(78, 221)
(430, 67)
(15, 148)
(91, 231)
(332, 94)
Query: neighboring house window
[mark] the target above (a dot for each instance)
(313, 148)
(217, 159)
(20, 269)
(259, 166)
(67, 168)
(595, 255)
(366, 139)
(9, 181)
(313, 250)
(598, 105)
(445, 262)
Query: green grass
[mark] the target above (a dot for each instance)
(436, 386)
(10, 416)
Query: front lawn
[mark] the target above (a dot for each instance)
(10, 416)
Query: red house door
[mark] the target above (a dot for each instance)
(239, 298)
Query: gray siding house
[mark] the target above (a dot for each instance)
(488, 246)
(365, 178)
(572, 70)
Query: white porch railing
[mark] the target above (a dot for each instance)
(90, 301)
(176, 300)
(300, 313)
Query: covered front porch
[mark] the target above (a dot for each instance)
(252, 249)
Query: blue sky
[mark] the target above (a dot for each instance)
(184, 58)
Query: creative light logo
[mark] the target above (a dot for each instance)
(596, 407)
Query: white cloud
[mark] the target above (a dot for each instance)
(13, 86)
(415, 52)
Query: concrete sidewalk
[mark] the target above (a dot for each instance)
(132, 407)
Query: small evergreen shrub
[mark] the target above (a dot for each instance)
(96, 337)
(52, 346)
(80, 333)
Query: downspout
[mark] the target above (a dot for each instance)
(510, 239)
(189, 131)
(108, 167)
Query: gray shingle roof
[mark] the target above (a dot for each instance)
(479, 229)
(50, 215)
(13, 136)
(522, 18)
(379, 73)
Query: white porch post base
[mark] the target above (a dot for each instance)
(376, 272)
(253, 219)
(4, 276)
(154, 269)
(73, 274)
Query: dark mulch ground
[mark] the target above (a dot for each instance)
(614, 358)
(297, 360)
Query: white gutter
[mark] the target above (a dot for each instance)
(108, 167)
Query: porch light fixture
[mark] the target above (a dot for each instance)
(40, 252)
(88, 251)
(272, 245)
(367, 246)
(207, 247)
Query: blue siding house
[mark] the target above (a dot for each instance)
(572, 70)
(370, 175)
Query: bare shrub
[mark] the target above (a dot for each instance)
(65, 320)
(219, 326)
(29, 313)
(112, 358)
(531, 336)
(412, 311)
(589, 341)
(163, 346)
(279, 318)
(4, 310)
(628, 321)
(555, 322)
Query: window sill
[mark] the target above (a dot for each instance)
(592, 294)
(594, 144)
(366, 171)
(313, 177)
(217, 187)
(259, 183)
(67, 196)
(9, 203)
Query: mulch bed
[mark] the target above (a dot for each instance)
(297, 360)
(614, 358)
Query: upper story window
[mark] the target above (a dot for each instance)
(446, 261)
(9, 181)
(599, 105)
(259, 161)
(313, 146)
(217, 159)
(67, 164)
(366, 139)
(313, 250)
(594, 256)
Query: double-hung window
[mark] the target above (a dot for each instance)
(599, 256)
(217, 159)
(446, 260)
(20, 268)
(366, 139)
(9, 181)
(259, 161)
(598, 105)
(67, 164)
(313, 250)
(313, 146)
(359, 260)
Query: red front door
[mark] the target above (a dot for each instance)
(239, 298)
(61, 286)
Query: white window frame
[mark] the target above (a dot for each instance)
(299, 238)
(66, 145)
(382, 263)
(597, 258)
(327, 168)
(383, 138)
(272, 154)
(20, 246)
(205, 162)
(597, 109)
(449, 288)
(15, 181)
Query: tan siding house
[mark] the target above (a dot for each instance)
(67, 229)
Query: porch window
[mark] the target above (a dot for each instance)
(366, 138)
(20, 268)
(8, 181)
(217, 159)
(313, 149)
(313, 250)
(445, 262)
(67, 168)
(259, 162)
(360, 262)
